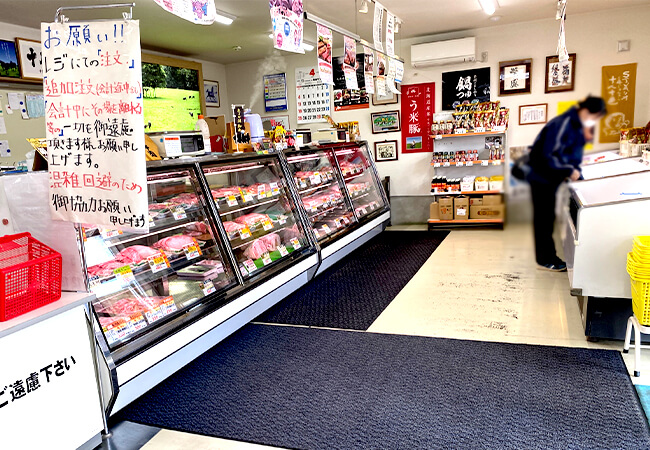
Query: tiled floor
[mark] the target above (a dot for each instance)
(478, 285)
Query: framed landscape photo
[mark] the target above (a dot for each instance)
(385, 122)
(386, 151)
(533, 114)
(560, 76)
(389, 99)
(9, 67)
(30, 59)
(515, 77)
(211, 91)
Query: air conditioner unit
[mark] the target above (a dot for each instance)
(442, 53)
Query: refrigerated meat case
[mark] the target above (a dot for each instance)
(603, 216)
(342, 196)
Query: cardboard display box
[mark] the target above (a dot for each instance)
(489, 200)
(434, 211)
(446, 208)
(487, 212)
(476, 201)
(461, 208)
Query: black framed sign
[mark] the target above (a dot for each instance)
(465, 85)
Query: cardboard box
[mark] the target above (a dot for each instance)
(217, 127)
(495, 199)
(476, 201)
(461, 208)
(434, 211)
(446, 208)
(487, 212)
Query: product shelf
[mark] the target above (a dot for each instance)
(482, 163)
(442, 194)
(315, 188)
(239, 208)
(238, 243)
(453, 135)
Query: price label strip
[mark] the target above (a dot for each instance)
(485, 163)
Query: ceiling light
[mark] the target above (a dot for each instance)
(489, 6)
(364, 7)
(495, 18)
(307, 46)
(224, 18)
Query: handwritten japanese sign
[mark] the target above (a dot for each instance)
(465, 85)
(92, 81)
(618, 90)
(417, 111)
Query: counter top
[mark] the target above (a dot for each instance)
(635, 186)
(68, 300)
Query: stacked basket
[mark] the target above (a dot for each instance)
(638, 266)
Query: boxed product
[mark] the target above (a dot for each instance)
(482, 184)
(434, 211)
(490, 200)
(496, 183)
(446, 208)
(487, 212)
(461, 208)
(467, 184)
(476, 201)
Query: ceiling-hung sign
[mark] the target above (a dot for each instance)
(325, 54)
(390, 34)
(368, 69)
(201, 12)
(377, 26)
(381, 75)
(287, 21)
(350, 63)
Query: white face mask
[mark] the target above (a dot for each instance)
(589, 123)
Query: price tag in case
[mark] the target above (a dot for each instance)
(268, 225)
(107, 233)
(266, 259)
(275, 190)
(232, 201)
(261, 193)
(168, 306)
(337, 222)
(316, 233)
(248, 198)
(125, 274)
(192, 251)
(179, 213)
(283, 250)
(346, 220)
(245, 233)
(295, 243)
(137, 322)
(207, 287)
(153, 315)
(243, 271)
(326, 229)
(158, 263)
(250, 265)
(364, 211)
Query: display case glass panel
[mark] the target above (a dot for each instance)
(145, 280)
(320, 185)
(360, 180)
(257, 212)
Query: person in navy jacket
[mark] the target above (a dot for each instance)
(555, 157)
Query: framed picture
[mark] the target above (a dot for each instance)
(388, 99)
(515, 77)
(560, 76)
(386, 151)
(385, 122)
(268, 122)
(211, 90)
(533, 114)
(30, 59)
(9, 67)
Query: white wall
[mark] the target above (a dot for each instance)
(593, 37)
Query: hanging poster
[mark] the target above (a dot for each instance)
(390, 77)
(465, 86)
(325, 54)
(381, 75)
(376, 26)
(390, 34)
(418, 102)
(287, 25)
(313, 98)
(97, 165)
(201, 12)
(618, 90)
(399, 71)
(368, 70)
(348, 99)
(275, 92)
(350, 63)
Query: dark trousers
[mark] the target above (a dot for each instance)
(544, 221)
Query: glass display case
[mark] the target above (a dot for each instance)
(145, 280)
(361, 180)
(321, 189)
(258, 212)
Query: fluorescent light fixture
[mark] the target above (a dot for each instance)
(307, 46)
(397, 26)
(224, 18)
(489, 6)
(363, 9)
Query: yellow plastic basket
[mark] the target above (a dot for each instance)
(637, 270)
(641, 301)
(643, 242)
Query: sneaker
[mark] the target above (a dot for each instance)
(554, 267)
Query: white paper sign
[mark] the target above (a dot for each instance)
(97, 165)
(390, 79)
(390, 34)
(287, 25)
(377, 26)
(381, 75)
(349, 63)
(325, 54)
(202, 12)
(369, 69)
(399, 71)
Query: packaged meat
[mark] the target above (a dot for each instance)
(213, 263)
(135, 254)
(291, 233)
(233, 227)
(252, 219)
(225, 192)
(256, 249)
(104, 269)
(106, 321)
(174, 243)
(271, 241)
(132, 305)
(186, 200)
(304, 174)
(196, 229)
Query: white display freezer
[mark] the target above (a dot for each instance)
(613, 168)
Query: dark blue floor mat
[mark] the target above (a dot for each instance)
(354, 292)
(315, 389)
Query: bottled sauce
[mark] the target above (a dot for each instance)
(202, 126)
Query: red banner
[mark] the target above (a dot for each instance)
(417, 112)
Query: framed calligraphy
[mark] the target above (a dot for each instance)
(515, 77)
(418, 101)
(385, 122)
(386, 151)
(388, 99)
(465, 86)
(560, 77)
(30, 59)
(533, 114)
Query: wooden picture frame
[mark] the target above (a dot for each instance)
(386, 151)
(515, 77)
(30, 59)
(389, 99)
(385, 122)
(9, 66)
(283, 119)
(533, 114)
(556, 80)
(211, 94)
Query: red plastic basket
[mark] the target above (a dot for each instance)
(30, 275)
